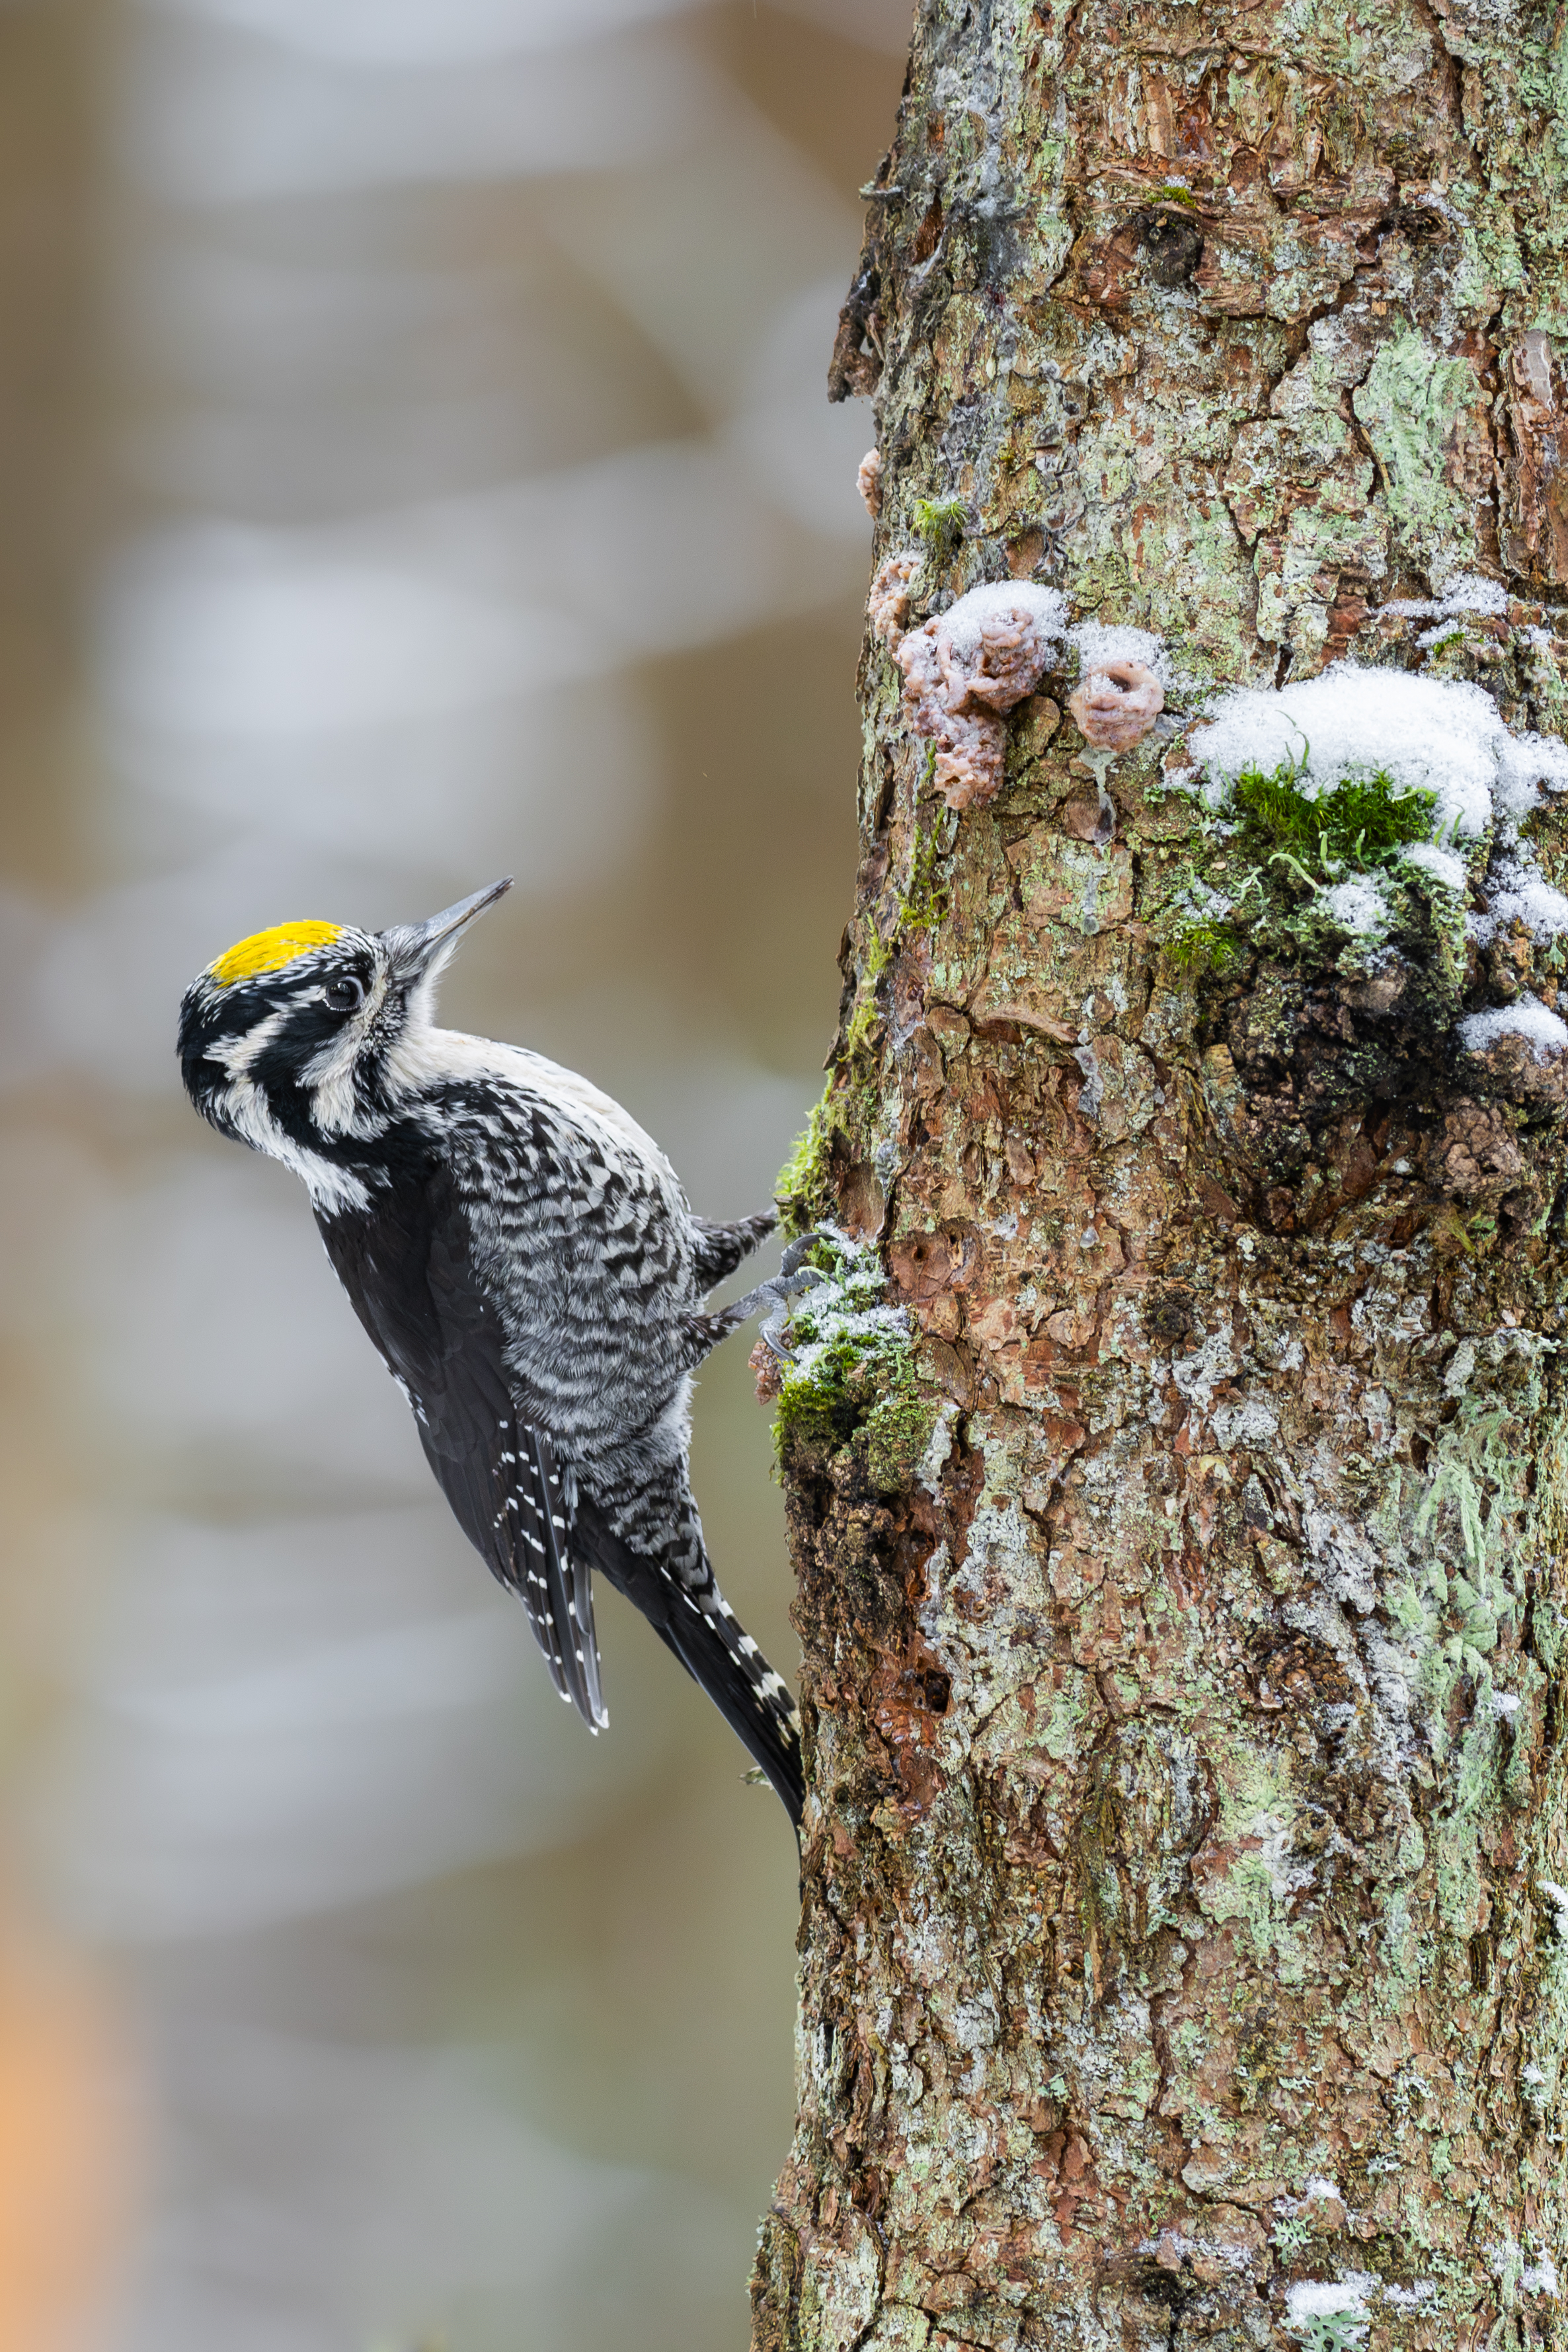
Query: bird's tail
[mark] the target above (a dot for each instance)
(755, 1703)
(696, 1622)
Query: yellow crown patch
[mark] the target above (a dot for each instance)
(270, 951)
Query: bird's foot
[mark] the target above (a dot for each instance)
(789, 1284)
(794, 1255)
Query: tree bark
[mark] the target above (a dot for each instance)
(1184, 1692)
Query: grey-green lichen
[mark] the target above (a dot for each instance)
(1333, 2331)
(1414, 406)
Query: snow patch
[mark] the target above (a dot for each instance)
(1541, 2277)
(1470, 593)
(1356, 906)
(1517, 891)
(1528, 1019)
(1422, 2296)
(1345, 2299)
(1441, 864)
(1524, 761)
(1098, 643)
(1558, 1898)
(965, 621)
(1438, 735)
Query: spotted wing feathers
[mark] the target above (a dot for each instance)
(408, 1269)
(532, 1532)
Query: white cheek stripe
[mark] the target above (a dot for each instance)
(236, 1054)
(332, 1189)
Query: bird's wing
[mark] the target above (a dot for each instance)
(408, 1265)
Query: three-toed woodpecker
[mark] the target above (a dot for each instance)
(525, 1259)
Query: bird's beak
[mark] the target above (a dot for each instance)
(421, 949)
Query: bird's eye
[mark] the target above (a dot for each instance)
(345, 994)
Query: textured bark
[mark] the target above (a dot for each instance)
(1186, 1725)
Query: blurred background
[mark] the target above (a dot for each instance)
(415, 468)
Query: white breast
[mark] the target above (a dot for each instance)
(425, 1056)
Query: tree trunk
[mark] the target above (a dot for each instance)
(1182, 1599)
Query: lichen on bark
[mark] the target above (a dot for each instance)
(1184, 1949)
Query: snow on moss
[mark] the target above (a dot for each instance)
(1357, 906)
(1438, 735)
(850, 1377)
(1441, 864)
(1529, 1019)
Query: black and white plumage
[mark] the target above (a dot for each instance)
(525, 1259)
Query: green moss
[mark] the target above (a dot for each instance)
(804, 1186)
(849, 1108)
(924, 905)
(853, 1382)
(823, 1404)
(1360, 826)
(1206, 945)
(1267, 863)
(941, 523)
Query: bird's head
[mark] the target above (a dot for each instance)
(298, 1038)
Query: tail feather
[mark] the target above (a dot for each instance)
(754, 1701)
(720, 1657)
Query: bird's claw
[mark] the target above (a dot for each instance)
(786, 1285)
(794, 1255)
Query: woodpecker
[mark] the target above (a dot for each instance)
(523, 1256)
